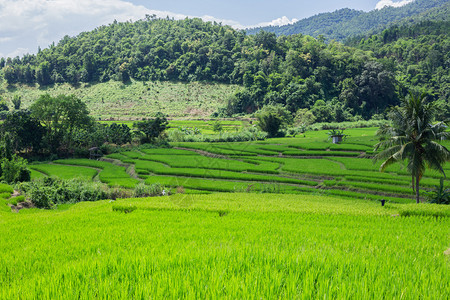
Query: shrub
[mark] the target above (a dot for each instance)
(46, 192)
(124, 208)
(143, 190)
(15, 170)
(440, 194)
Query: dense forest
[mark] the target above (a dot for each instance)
(335, 82)
(419, 55)
(295, 71)
(345, 23)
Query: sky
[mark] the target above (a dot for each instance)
(26, 25)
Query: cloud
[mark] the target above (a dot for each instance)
(26, 25)
(277, 22)
(383, 3)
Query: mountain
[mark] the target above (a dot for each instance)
(346, 23)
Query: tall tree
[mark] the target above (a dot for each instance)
(60, 116)
(411, 136)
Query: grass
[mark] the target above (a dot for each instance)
(225, 246)
(137, 100)
(219, 185)
(65, 172)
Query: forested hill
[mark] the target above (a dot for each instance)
(418, 54)
(335, 82)
(346, 23)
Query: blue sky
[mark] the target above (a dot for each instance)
(249, 12)
(26, 25)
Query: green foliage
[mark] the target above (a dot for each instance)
(24, 131)
(440, 194)
(50, 191)
(417, 53)
(17, 101)
(144, 190)
(15, 170)
(414, 138)
(344, 23)
(217, 127)
(124, 208)
(293, 71)
(304, 117)
(151, 129)
(60, 115)
(272, 118)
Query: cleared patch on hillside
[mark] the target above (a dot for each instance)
(136, 100)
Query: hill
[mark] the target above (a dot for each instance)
(294, 71)
(334, 81)
(417, 55)
(346, 23)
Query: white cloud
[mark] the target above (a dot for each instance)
(277, 22)
(29, 24)
(383, 3)
(26, 25)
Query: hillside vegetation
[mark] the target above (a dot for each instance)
(345, 23)
(136, 100)
(295, 71)
(336, 82)
(418, 55)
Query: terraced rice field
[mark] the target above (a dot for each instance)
(304, 164)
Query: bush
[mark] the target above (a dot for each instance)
(143, 190)
(247, 134)
(124, 208)
(15, 170)
(46, 192)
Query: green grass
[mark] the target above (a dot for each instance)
(138, 100)
(219, 185)
(65, 172)
(235, 246)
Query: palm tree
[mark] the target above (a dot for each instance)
(411, 136)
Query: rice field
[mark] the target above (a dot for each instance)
(308, 164)
(226, 245)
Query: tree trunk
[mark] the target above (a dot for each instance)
(417, 189)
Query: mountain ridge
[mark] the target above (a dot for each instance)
(345, 23)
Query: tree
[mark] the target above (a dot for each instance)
(17, 101)
(60, 116)
(151, 128)
(217, 127)
(272, 118)
(411, 136)
(25, 131)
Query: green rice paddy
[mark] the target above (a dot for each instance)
(226, 245)
(304, 164)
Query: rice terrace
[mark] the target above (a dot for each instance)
(177, 158)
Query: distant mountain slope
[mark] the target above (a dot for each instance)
(324, 24)
(346, 23)
(419, 55)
